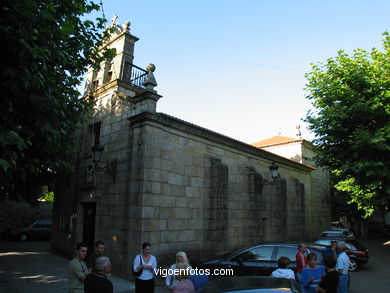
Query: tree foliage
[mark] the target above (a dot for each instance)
(46, 194)
(351, 122)
(47, 47)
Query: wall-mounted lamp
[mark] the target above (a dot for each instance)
(97, 151)
(274, 174)
(109, 168)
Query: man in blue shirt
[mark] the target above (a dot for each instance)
(332, 250)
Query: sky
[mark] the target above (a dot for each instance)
(238, 67)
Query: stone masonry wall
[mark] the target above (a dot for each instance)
(206, 197)
(319, 214)
(317, 200)
(118, 205)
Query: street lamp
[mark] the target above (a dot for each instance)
(109, 168)
(274, 171)
(97, 151)
(274, 174)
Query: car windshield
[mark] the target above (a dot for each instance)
(323, 242)
(331, 234)
(263, 252)
(257, 254)
(41, 224)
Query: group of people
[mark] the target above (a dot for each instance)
(178, 279)
(330, 278)
(89, 274)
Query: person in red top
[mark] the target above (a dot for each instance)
(301, 262)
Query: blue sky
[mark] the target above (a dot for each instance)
(237, 66)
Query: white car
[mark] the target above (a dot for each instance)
(337, 226)
(334, 234)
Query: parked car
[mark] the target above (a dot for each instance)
(357, 252)
(337, 226)
(39, 230)
(249, 284)
(334, 234)
(258, 260)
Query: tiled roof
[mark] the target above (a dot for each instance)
(275, 140)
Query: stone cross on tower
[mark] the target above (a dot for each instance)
(114, 19)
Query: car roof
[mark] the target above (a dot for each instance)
(351, 240)
(275, 243)
(246, 284)
(330, 231)
(334, 233)
(278, 243)
(43, 221)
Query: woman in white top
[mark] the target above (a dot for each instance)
(146, 262)
(283, 271)
(170, 280)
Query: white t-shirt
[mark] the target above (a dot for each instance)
(146, 274)
(343, 263)
(283, 273)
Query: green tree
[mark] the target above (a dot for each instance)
(46, 194)
(47, 47)
(351, 122)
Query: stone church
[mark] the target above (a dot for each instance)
(141, 175)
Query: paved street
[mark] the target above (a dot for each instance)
(29, 268)
(375, 276)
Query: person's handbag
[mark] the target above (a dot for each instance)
(137, 274)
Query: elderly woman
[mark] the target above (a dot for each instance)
(145, 264)
(184, 285)
(170, 280)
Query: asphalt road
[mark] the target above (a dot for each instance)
(374, 276)
(30, 267)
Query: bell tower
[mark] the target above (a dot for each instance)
(120, 78)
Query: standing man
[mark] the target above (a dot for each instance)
(342, 266)
(98, 251)
(77, 269)
(332, 250)
(97, 282)
(301, 262)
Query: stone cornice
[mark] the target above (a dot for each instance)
(189, 128)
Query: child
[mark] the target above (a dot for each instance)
(283, 271)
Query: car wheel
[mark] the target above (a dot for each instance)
(354, 266)
(23, 237)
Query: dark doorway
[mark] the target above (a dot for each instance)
(89, 225)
